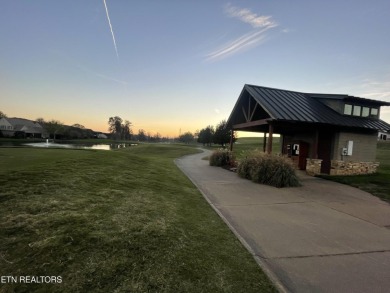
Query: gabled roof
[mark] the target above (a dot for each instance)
(284, 105)
(26, 125)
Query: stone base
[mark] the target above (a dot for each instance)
(353, 168)
(313, 166)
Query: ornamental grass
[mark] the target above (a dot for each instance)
(268, 169)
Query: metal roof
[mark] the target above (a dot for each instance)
(348, 98)
(284, 105)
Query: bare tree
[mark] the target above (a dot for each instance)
(141, 135)
(115, 126)
(119, 128)
(78, 126)
(54, 127)
(126, 130)
(40, 120)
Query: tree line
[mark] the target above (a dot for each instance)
(118, 129)
(121, 129)
(220, 135)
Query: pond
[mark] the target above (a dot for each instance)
(47, 144)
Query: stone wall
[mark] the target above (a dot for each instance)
(313, 166)
(352, 168)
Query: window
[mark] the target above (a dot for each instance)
(356, 110)
(365, 112)
(2, 127)
(347, 109)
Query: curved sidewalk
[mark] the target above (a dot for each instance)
(321, 237)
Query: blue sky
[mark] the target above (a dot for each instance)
(182, 64)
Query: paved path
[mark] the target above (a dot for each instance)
(321, 237)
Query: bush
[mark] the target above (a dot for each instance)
(244, 167)
(222, 158)
(273, 170)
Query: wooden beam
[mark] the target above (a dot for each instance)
(251, 123)
(253, 112)
(264, 141)
(269, 142)
(282, 144)
(243, 111)
(249, 109)
(231, 139)
(315, 146)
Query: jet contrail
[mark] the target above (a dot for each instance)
(112, 32)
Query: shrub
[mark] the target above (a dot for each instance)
(222, 158)
(244, 167)
(273, 170)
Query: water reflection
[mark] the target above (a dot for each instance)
(105, 147)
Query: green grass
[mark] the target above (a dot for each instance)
(377, 184)
(245, 144)
(115, 221)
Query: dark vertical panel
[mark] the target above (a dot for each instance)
(269, 142)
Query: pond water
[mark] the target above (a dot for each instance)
(47, 144)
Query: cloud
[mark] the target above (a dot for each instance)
(103, 76)
(375, 89)
(248, 16)
(260, 23)
(217, 111)
(242, 43)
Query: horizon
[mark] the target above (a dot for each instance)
(171, 67)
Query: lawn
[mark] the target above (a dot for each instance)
(377, 184)
(115, 221)
(245, 144)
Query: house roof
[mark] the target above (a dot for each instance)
(285, 105)
(26, 125)
(352, 99)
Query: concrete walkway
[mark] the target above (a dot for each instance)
(321, 237)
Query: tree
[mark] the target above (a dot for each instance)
(206, 135)
(141, 135)
(2, 115)
(78, 126)
(126, 130)
(54, 127)
(115, 126)
(157, 137)
(118, 128)
(187, 137)
(222, 134)
(41, 121)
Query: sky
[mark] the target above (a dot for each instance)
(175, 66)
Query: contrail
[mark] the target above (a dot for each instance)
(112, 32)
